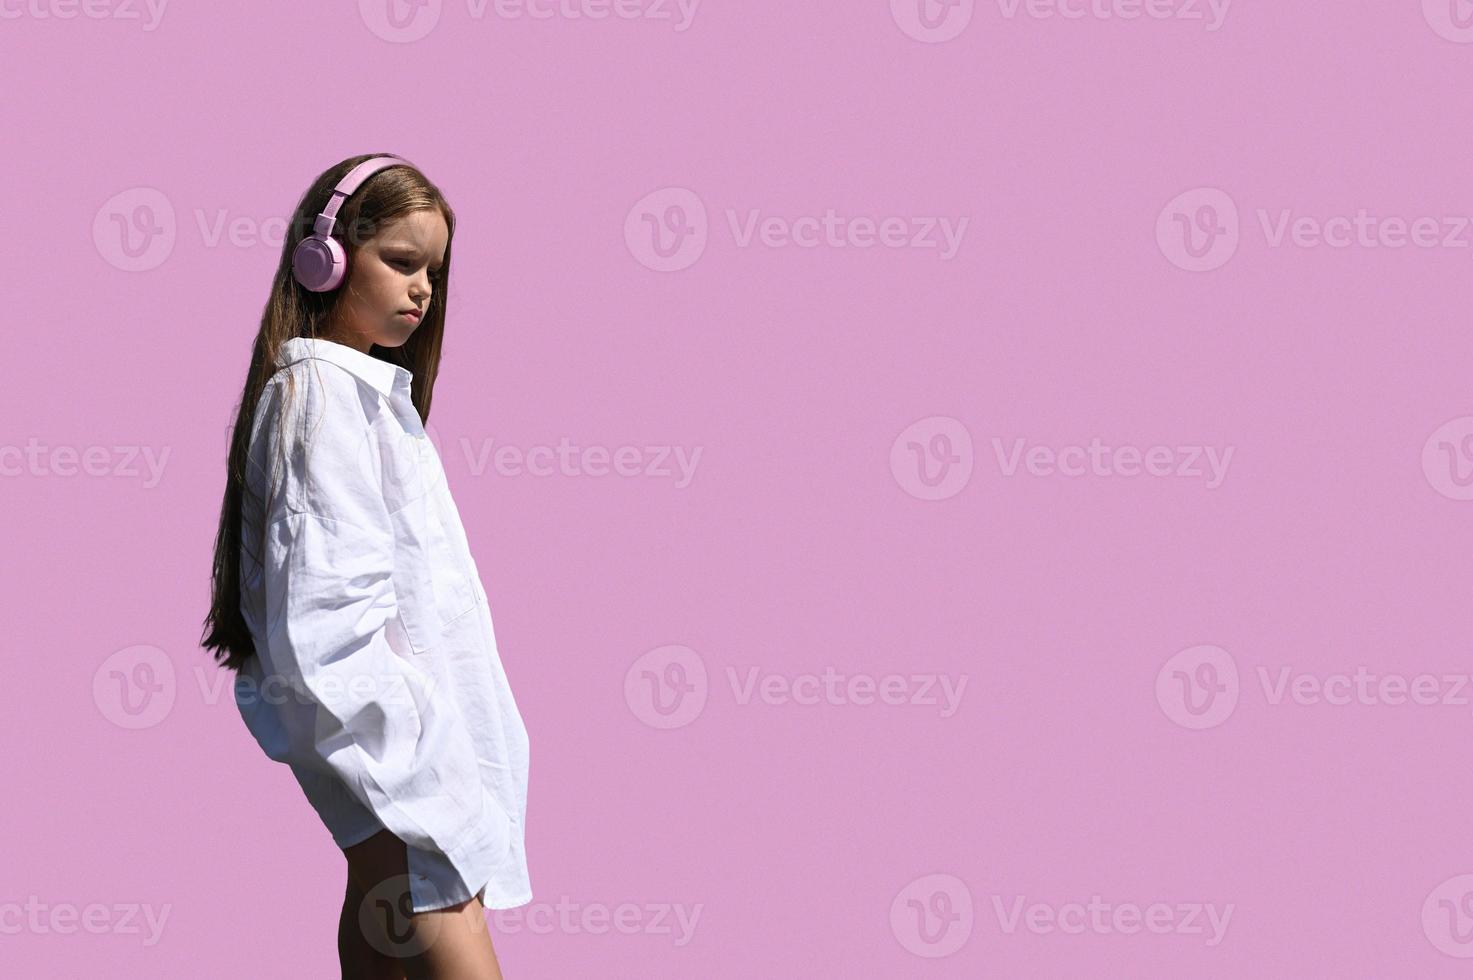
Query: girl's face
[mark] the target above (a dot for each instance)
(388, 277)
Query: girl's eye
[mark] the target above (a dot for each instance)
(408, 266)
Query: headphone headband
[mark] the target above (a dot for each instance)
(350, 183)
(320, 262)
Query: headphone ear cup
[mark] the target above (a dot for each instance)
(319, 263)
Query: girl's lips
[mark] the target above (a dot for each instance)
(411, 314)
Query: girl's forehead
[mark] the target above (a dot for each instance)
(417, 224)
(418, 229)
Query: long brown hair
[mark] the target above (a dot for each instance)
(292, 311)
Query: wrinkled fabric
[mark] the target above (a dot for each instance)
(377, 678)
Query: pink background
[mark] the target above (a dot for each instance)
(1338, 834)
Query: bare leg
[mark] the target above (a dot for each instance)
(360, 959)
(461, 948)
(445, 944)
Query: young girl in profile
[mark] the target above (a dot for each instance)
(344, 593)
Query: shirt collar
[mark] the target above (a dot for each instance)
(381, 375)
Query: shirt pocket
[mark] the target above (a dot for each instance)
(456, 591)
(435, 576)
(435, 592)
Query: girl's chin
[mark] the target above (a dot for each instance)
(397, 334)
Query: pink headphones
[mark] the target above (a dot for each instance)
(319, 263)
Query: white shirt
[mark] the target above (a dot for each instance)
(377, 678)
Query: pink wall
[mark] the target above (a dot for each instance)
(1068, 573)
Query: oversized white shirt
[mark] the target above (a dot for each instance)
(377, 677)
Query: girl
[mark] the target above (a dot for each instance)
(345, 596)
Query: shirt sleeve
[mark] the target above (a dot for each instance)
(355, 706)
